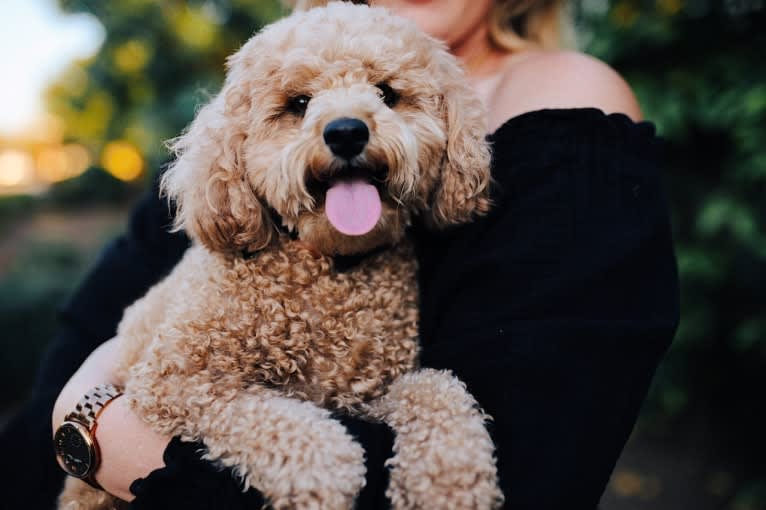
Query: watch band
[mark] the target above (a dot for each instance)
(86, 413)
(92, 403)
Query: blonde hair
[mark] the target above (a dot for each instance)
(513, 24)
(518, 24)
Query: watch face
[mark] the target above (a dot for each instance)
(74, 449)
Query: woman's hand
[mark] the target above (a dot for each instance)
(129, 448)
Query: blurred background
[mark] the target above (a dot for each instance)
(91, 89)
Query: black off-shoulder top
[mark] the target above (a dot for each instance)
(555, 310)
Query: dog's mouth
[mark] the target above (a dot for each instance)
(352, 198)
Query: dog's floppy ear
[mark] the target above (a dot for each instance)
(463, 188)
(208, 183)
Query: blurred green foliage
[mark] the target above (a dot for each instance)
(159, 61)
(698, 68)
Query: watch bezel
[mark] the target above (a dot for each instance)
(90, 443)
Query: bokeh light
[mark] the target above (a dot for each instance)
(16, 168)
(195, 27)
(55, 164)
(132, 56)
(123, 160)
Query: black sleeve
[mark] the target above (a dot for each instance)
(557, 307)
(189, 482)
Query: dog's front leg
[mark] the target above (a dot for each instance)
(443, 454)
(290, 450)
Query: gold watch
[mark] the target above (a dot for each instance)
(75, 439)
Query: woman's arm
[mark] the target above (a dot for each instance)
(560, 79)
(129, 448)
(557, 307)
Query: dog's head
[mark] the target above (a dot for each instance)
(345, 120)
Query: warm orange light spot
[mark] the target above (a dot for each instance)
(627, 483)
(16, 167)
(52, 164)
(122, 160)
(670, 7)
(631, 484)
(79, 157)
(56, 164)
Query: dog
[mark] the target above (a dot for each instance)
(335, 129)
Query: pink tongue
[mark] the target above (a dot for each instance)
(353, 206)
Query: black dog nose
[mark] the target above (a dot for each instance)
(346, 137)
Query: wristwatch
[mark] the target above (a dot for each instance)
(75, 440)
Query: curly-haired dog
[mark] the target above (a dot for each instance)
(334, 128)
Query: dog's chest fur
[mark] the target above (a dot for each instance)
(286, 319)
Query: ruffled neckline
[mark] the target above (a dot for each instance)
(568, 116)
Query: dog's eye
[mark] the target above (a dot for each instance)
(298, 104)
(389, 96)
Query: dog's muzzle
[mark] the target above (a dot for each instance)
(346, 137)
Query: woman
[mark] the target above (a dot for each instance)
(555, 309)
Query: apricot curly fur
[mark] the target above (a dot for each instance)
(255, 337)
(442, 458)
(77, 495)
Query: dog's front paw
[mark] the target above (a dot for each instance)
(443, 454)
(441, 480)
(322, 468)
(294, 453)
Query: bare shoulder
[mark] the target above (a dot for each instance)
(560, 79)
